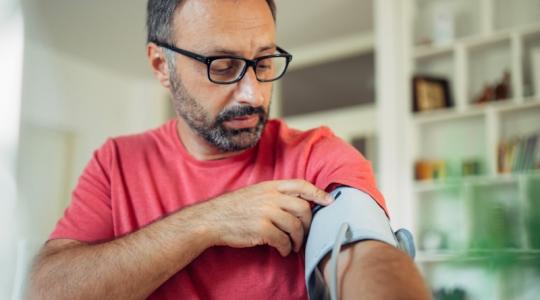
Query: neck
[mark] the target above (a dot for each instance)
(198, 147)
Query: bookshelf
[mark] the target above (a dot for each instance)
(467, 226)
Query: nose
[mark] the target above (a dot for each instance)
(249, 90)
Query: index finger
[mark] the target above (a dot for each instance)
(304, 190)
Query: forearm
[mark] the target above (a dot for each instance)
(131, 267)
(374, 270)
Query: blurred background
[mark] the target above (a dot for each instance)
(443, 96)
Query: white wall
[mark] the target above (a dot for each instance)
(11, 47)
(69, 108)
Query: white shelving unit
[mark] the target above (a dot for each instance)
(460, 221)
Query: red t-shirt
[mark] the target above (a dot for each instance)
(134, 180)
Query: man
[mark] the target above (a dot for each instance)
(215, 204)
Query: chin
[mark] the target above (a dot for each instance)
(245, 140)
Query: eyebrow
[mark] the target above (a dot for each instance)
(236, 53)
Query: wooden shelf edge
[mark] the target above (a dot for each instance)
(474, 254)
(449, 114)
(446, 114)
(474, 41)
(479, 180)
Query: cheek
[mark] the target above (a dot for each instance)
(210, 96)
(214, 98)
(267, 94)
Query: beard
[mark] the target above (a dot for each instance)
(213, 131)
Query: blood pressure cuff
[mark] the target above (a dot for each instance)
(366, 219)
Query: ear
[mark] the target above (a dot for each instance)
(158, 63)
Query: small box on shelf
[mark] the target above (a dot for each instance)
(430, 170)
(441, 170)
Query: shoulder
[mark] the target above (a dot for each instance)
(147, 138)
(137, 144)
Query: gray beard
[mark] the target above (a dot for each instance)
(213, 131)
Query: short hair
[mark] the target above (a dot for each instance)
(160, 15)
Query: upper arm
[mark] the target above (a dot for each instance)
(358, 252)
(366, 221)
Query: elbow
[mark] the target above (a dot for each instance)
(42, 282)
(36, 289)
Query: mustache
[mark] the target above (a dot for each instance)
(240, 111)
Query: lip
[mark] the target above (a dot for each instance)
(243, 122)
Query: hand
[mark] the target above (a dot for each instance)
(275, 213)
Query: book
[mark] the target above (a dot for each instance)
(518, 154)
(512, 154)
(530, 152)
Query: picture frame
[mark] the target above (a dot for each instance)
(430, 93)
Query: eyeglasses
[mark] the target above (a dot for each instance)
(231, 69)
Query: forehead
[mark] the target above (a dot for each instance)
(232, 24)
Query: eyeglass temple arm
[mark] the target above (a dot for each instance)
(196, 56)
(282, 51)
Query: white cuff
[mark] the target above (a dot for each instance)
(366, 219)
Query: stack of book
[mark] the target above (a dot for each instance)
(518, 154)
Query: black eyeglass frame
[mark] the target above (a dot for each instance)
(249, 62)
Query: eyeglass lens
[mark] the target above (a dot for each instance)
(226, 70)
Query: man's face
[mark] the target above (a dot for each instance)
(229, 117)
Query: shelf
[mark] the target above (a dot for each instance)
(527, 103)
(528, 30)
(451, 114)
(426, 186)
(425, 52)
(475, 228)
(484, 41)
(474, 255)
(444, 114)
(478, 180)
(436, 257)
(474, 42)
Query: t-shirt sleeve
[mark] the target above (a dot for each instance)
(89, 216)
(334, 162)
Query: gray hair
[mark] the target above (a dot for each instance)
(170, 58)
(160, 18)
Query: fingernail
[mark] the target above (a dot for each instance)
(329, 198)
